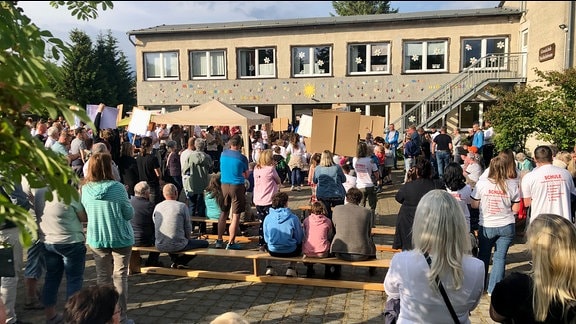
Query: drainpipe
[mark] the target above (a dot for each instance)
(570, 42)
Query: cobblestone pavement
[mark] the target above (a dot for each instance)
(165, 299)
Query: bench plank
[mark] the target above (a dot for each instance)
(228, 221)
(384, 230)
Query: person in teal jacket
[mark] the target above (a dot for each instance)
(283, 233)
(109, 232)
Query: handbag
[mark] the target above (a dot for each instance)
(391, 311)
(443, 292)
(7, 260)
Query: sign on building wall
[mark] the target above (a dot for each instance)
(547, 52)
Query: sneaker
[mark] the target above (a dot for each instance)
(299, 188)
(262, 248)
(290, 272)
(178, 266)
(270, 271)
(292, 188)
(233, 246)
(57, 319)
(219, 244)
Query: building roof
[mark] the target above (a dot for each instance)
(327, 21)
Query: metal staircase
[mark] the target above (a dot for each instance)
(491, 69)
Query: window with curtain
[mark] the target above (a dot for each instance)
(208, 64)
(311, 61)
(484, 52)
(161, 66)
(368, 58)
(426, 56)
(257, 62)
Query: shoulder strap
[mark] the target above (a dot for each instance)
(443, 292)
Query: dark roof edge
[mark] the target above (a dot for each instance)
(320, 21)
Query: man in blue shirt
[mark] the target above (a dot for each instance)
(392, 139)
(233, 173)
(478, 138)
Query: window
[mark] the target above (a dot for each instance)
(256, 62)
(428, 56)
(368, 58)
(307, 61)
(161, 66)
(469, 113)
(483, 50)
(208, 64)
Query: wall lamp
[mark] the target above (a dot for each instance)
(563, 27)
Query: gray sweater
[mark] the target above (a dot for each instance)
(172, 225)
(353, 225)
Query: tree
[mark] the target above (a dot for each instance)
(352, 8)
(513, 117)
(25, 74)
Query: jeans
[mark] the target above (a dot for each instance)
(183, 259)
(369, 195)
(296, 178)
(112, 268)
(63, 258)
(35, 264)
(500, 238)
(197, 207)
(9, 285)
(442, 161)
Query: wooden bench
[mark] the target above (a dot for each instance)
(197, 219)
(256, 257)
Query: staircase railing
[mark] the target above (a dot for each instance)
(493, 68)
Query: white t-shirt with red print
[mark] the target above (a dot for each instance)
(495, 204)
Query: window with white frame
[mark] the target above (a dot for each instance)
(208, 64)
(256, 62)
(426, 56)
(309, 61)
(368, 58)
(161, 66)
(484, 52)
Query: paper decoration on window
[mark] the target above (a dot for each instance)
(378, 52)
(301, 55)
(473, 60)
(493, 59)
(468, 47)
(437, 51)
(358, 60)
(266, 60)
(412, 118)
(309, 90)
(500, 45)
(251, 68)
(415, 58)
(320, 62)
(468, 108)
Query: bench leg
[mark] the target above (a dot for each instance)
(135, 265)
(255, 264)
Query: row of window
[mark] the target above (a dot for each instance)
(371, 58)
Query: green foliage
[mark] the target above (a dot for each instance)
(353, 8)
(513, 117)
(26, 76)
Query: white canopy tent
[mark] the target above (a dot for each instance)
(215, 113)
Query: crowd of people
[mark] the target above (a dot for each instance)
(460, 206)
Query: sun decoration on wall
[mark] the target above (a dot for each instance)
(309, 90)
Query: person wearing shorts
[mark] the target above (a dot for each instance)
(233, 173)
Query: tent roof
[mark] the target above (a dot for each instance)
(212, 113)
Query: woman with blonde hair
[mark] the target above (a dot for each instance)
(441, 254)
(329, 179)
(109, 233)
(498, 198)
(266, 184)
(547, 294)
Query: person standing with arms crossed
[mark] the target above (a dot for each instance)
(234, 171)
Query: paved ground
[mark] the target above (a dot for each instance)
(164, 299)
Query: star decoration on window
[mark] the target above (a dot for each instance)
(301, 55)
(493, 59)
(468, 47)
(358, 60)
(415, 58)
(437, 51)
(500, 45)
(251, 68)
(320, 62)
(473, 60)
(378, 52)
(266, 60)
(412, 118)
(468, 108)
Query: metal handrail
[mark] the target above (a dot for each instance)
(488, 69)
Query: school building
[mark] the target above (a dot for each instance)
(423, 68)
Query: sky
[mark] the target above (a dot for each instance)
(133, 15)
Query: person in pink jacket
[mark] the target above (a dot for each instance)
(318, 233)
(266, 184)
